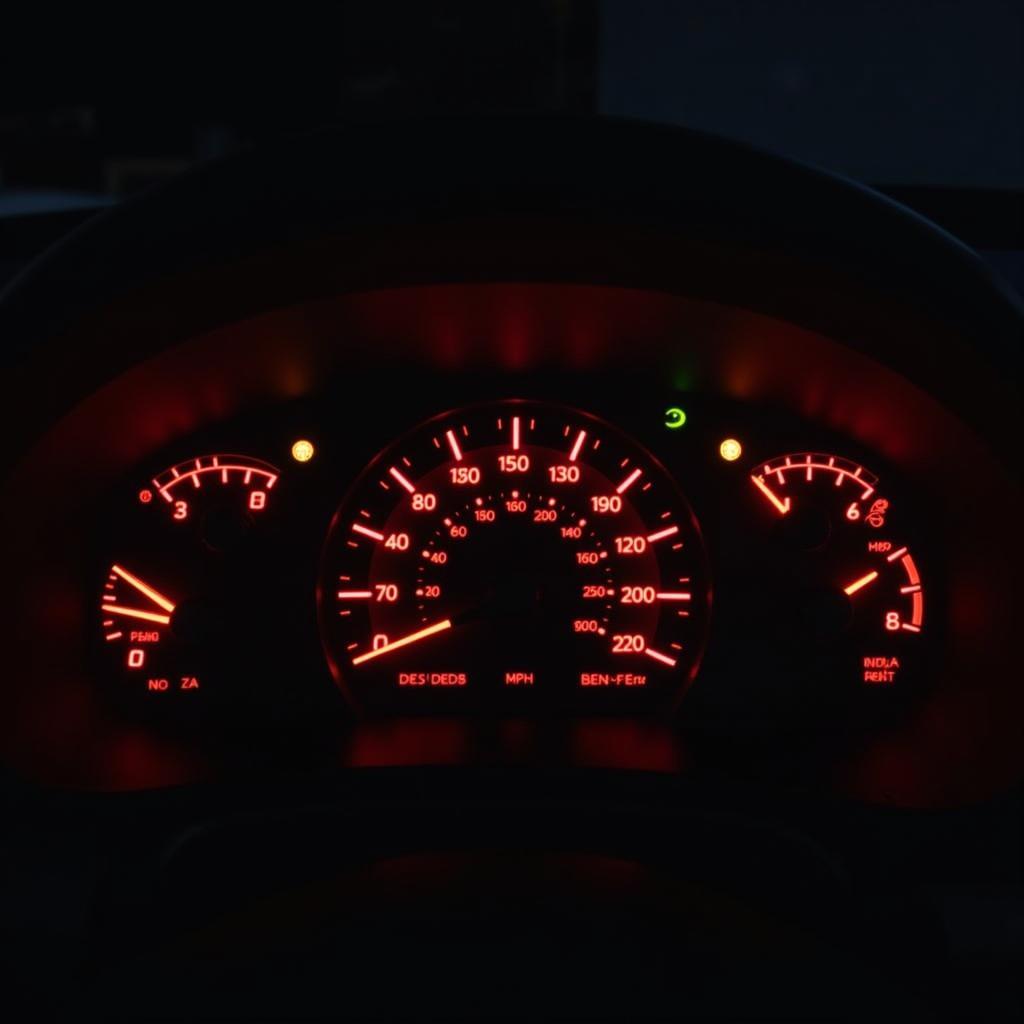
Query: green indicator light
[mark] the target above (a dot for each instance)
(674, 417)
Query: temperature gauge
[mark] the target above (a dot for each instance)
(848, 597)
(174, 607)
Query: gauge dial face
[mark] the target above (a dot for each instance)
(844, 572)
(180, 574)
(514, 553)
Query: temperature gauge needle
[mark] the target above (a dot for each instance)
(144, 588)
(136, 613)
(860, 584)
(111, 607)
(420, 634)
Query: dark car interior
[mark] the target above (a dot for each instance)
(488, 559)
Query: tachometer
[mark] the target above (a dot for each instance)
(515, 551)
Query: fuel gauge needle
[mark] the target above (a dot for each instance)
(411, 638)
(860, 584)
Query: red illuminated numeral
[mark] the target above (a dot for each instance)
(257, 500)
(136, 657)
(438, 557)
(432, 591)
(853, 512)
(594, 590)
(385, 592)
(544, 515)
(181, 510)
(587, 558)
(515, 505)
(484, 515)
(458, 532)
(572, 532)
(628, 643)
(397, 541)
(585, 626)
(630, 545)
(424, 502)
(513, 463)
(379, 640)
(606, 503)
(638, 595)
(892, 621)
(461, 475)
(564, 474)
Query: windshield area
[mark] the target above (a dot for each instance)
(912, 94)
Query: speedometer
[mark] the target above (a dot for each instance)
(514, 552)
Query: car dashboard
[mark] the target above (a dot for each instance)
(649, 552)
(574, 468)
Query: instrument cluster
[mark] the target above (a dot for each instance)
(652, 553)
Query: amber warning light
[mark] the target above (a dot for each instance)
(730, 449)
(303, 450)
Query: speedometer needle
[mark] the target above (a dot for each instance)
(420, 634)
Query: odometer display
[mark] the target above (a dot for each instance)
(514, 552)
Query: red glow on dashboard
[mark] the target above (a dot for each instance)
(615, 743)
(399, 742)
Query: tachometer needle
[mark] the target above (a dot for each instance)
(420, 634)
(860, 584)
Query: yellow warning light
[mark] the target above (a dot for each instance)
(730, 449)
(302, 451)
